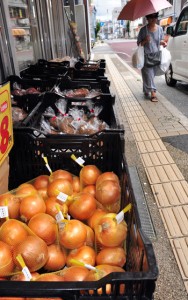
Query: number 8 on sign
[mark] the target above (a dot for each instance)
(4, 133)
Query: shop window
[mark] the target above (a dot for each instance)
(21, 31)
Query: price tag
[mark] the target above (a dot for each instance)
(80, 161)
(120, 217)
(62, 197)
(6, 130)
(27, 273)
(3, 211)
(59, 217)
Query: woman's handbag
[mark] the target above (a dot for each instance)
(152, 59)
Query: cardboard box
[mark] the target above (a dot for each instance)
(4, 176)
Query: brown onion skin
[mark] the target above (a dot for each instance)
(34, 252)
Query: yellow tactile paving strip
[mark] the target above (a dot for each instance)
(171, 193)
(167, 182)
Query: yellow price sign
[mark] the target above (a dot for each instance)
(6, 130)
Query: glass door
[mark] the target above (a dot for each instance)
(23, 25)
(6, 56)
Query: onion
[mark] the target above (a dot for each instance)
(108, 192)
(50, 277)
(34, 252)
(74, 273)
(21, 276)
(56, 258)
(51, 208)
(13, 232)
(93, 220)
(76, 184)
(114, 256)
(109, 233)
(83, 254)
(60, 185)
(13, 203)
(73, 234)
(25, 189)
(83, 206)
(61, 174)
(107, 176)
(6, 261)
(90, 238)
(90, 189)
(30, 206)
(103, 270)
(89, 175)
(41, 182)
(44, 226)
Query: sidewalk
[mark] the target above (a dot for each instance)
(164, 207)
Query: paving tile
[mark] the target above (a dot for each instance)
(180, 249)
(146, 135)
(171, 193)
(162, 174)
(175, 220)
(156, 158)
(186, 285)
(151, 146)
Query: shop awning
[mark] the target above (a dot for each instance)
(166, 21)
(18, 32)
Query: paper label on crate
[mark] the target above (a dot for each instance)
(27, 273)
(62, 197)
(3, 211)
(80, 161)
(120, 217)
(59, 217)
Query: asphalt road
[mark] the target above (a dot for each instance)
(178, 95)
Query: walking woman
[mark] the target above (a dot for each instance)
(151, 37)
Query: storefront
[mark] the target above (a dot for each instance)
(31, 29)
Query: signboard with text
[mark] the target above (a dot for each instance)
(6, 130)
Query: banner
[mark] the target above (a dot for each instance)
(6, 129)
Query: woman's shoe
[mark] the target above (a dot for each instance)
(154, 99)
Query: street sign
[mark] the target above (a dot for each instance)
(6, 131)
(101, 24)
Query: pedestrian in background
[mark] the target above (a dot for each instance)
(150, 37)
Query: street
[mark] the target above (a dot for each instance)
(177, 96)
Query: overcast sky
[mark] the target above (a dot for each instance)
(105, 7)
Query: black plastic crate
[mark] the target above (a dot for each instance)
(101, 83)
(141, 268)
(105, 101)
(86, 73)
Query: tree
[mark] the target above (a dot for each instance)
(97, 29)
(128, 28)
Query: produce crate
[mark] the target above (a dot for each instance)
(105, 101)
(141, 269)
(30, 142)
(43, 69)
(101, 83)
(101, 63)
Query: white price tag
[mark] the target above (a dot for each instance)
(3, 211)
(80, 161)
(59, 217)
(120, 217)
(90, 267)
(62, 197)
(26, 273)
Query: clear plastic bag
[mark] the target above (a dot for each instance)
(138, 57)
(165, 59)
